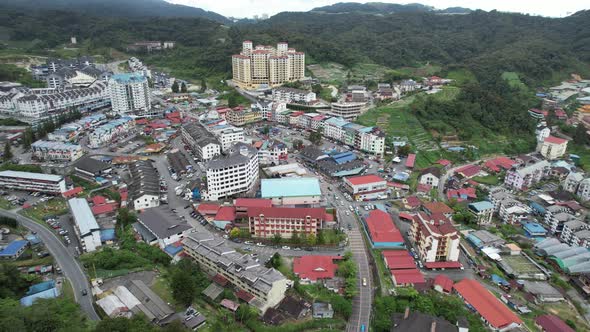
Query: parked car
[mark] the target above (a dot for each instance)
(260, 244)
(286, 248)
(364, 281)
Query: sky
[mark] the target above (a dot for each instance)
(249, 8)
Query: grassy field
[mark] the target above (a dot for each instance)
(488, 179)
(461, 76)
(55, 207)
(521, 264)
(5, 204)
(384, 274)
(331, 72)
(422, 70)
(565, 312)
(584, 154)
(513, 79)
(67, 290)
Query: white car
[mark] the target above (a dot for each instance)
(347, 213)
(286, 248)
(260, 244)
(364, 281)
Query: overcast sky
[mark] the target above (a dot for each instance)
(249, 8)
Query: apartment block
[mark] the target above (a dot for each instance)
(130, 94)
(56, 151)
(291, 95)
(436, 238)
(524, 178)
(28, 181)
(285, 221)
(202, 143)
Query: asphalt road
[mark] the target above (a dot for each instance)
(69, 265)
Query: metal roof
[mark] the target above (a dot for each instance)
(83, 216)
(31, 176)
(290, 187)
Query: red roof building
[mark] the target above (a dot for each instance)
(207, 209)
(412, 202)
(469, 171)
(382, 230)
(443, 284)
(500, 163)
(230, 305)
(491, 310)
(72, 192)
(312, 268)
(365, 187)
(266, 222)
(555, 140)
(406, 216)
(407, 277)
(436, 239)
(462, 194)
(398, 259)
(243, 204)
(411, 160)
(552, 323)
(104, 208)
(363, 179)
(99, 200)
(226, 213)
(443, 162)
(437, 208)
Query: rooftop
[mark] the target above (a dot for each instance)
(31, 176)
(364, 179)
(381, 228)
(290, 187)
(162, 222)
(83, 216)
(315, 267)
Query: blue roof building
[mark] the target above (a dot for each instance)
(40, 287)
(33, 239)
(533, 229)
(172, 249)
(292, 191)
(107, 234)
(14, 250)
(401, 176)
(344, 157)
(124, 78)
(50, 293)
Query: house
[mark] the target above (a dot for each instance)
(469, 171)
(482, 211)
(322, 310)
(14, 249)
(553, 147)
(160, 226)
(493, 312)
(552, 323)
(43, 290)
(437, 208)
(411, 160)
(430, 176)
(194, 322)
(313, 268)
(443, 284)
(411, 202)
(421, 322)
(542, 291)
(293, 307)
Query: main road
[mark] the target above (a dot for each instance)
(68, 263)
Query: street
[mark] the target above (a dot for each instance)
(69, 265)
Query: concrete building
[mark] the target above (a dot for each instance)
(346, 110)
(557, 221)
(572, 181)
(482, 211)
(56, 151)
(263, 287)
(436, 238)
(584, 190)
(242, 116)
(87, 228)
(365, 187)
(553, 147)
(572, 232)
(89, 168)
(236, 173)
(285, 221)
(524, 178)
(266, 65)
(202, 143)
(291, 95)
(292, 191)
(161, 226)
(28, 181)
(130, 94)
(144, 188)
(104, 134)
(272, 152)
(430, 177)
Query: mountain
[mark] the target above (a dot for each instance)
(117, 8)
(384, 8)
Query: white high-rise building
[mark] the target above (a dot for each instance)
(130, 94)
(266, 65)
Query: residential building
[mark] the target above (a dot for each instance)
(161, 226)
(104, 134)
(267, 66)
(89, 169)
(86, 227)
(483, 238)
(56, 151)
(314, 268)
(236, 173)
(272, 152)
(202, 143)
(130, 94)
(552, 323)
(513, 211)
(14, 249)
(572, 181)
(240, 116)
(584, 190)
(557, 221)
(346, 110)
(553, 147)
(365, 187)
(418, 321)
(435, 237)
(430, 176)
(542, 132)
(482, 211)
(138, 297)
(291, 95)
(322, 310)
(524, 178)
(493, 312)
(264, 287)
(28, 181)
(382, 231)
(292, 191)
(227, 135)
(285, 221)
(144, 188)
(443, 284)
(432, 208)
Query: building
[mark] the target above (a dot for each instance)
(533, 229)
(524, 178)
(87, 228)
(552, 323)
(430, 177)
(436, 239)
(104, 134)
(346, 110)
(89, 168)
(145, 301)
(314, 268)
(263, 287)
(292, 191)
(365, 187)
(584, 190)
(267, 66)
(14, 249)
(130, 94)
(382, 231)
(572, 181)
(272, 152)
(227, 135)
(482, 238)
(240, 116)
(417, 321)
(144, 188)
(236, 173)
(542, 291)
(56, 151)
(161, 226)
(557, 221)
(43, 290)
(482, 211)
(553, 147)
(443, 284)
(493, 312)
(291, 95)
(28, 181)
(322, 310)
(268, 222)
(202, 143)
(437, 208)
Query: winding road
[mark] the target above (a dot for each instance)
(68, 263)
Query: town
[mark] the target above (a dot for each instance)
(285, 201)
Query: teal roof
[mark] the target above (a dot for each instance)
(480, 206)
(129, 77)
(338, 122)
(290, 187)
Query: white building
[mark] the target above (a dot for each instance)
(436, 238)
(200, 141)
(572, 181)
(236, 173)
(365, 187)
(130, 94)
(291, 95)
(272, 152)
(553, 147)
(584, 189)
(144, 189)
(482, 211)
(104, 134)
(346, 110)
(56, 151)
(227, 135)
(430, 177)
(525, 177)
(571, 228)
(87, 228)
(161, 226)
(27, 181)
(542, 132)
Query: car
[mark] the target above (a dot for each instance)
(248, 242)
(260, 244)
(254, 254)
(308, 249)
(347, 213)
(84, 292)
(286, 248)
(349, 227)
(43, 254)
(248, 249)
(225, 236)
(364, 281)
(186, 207)
(297, 249)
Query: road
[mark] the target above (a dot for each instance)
(69, 265)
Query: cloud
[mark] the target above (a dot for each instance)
(249, 8)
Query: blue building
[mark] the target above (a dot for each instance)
(14, 250)
(344, 157)
(533, 229)
(50, 293)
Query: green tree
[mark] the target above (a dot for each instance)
(276, 239)
(581, 136)
(316, 136)
(295, 239)
(320, 238)
(275, 261)
(183, 88)
(404, 150)
(203, 85)
(317, 89)
(311, 240)
(28, 138)
(234, 233)
(7, 152)
(175, 87)
(246, 313)
(183, 288)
